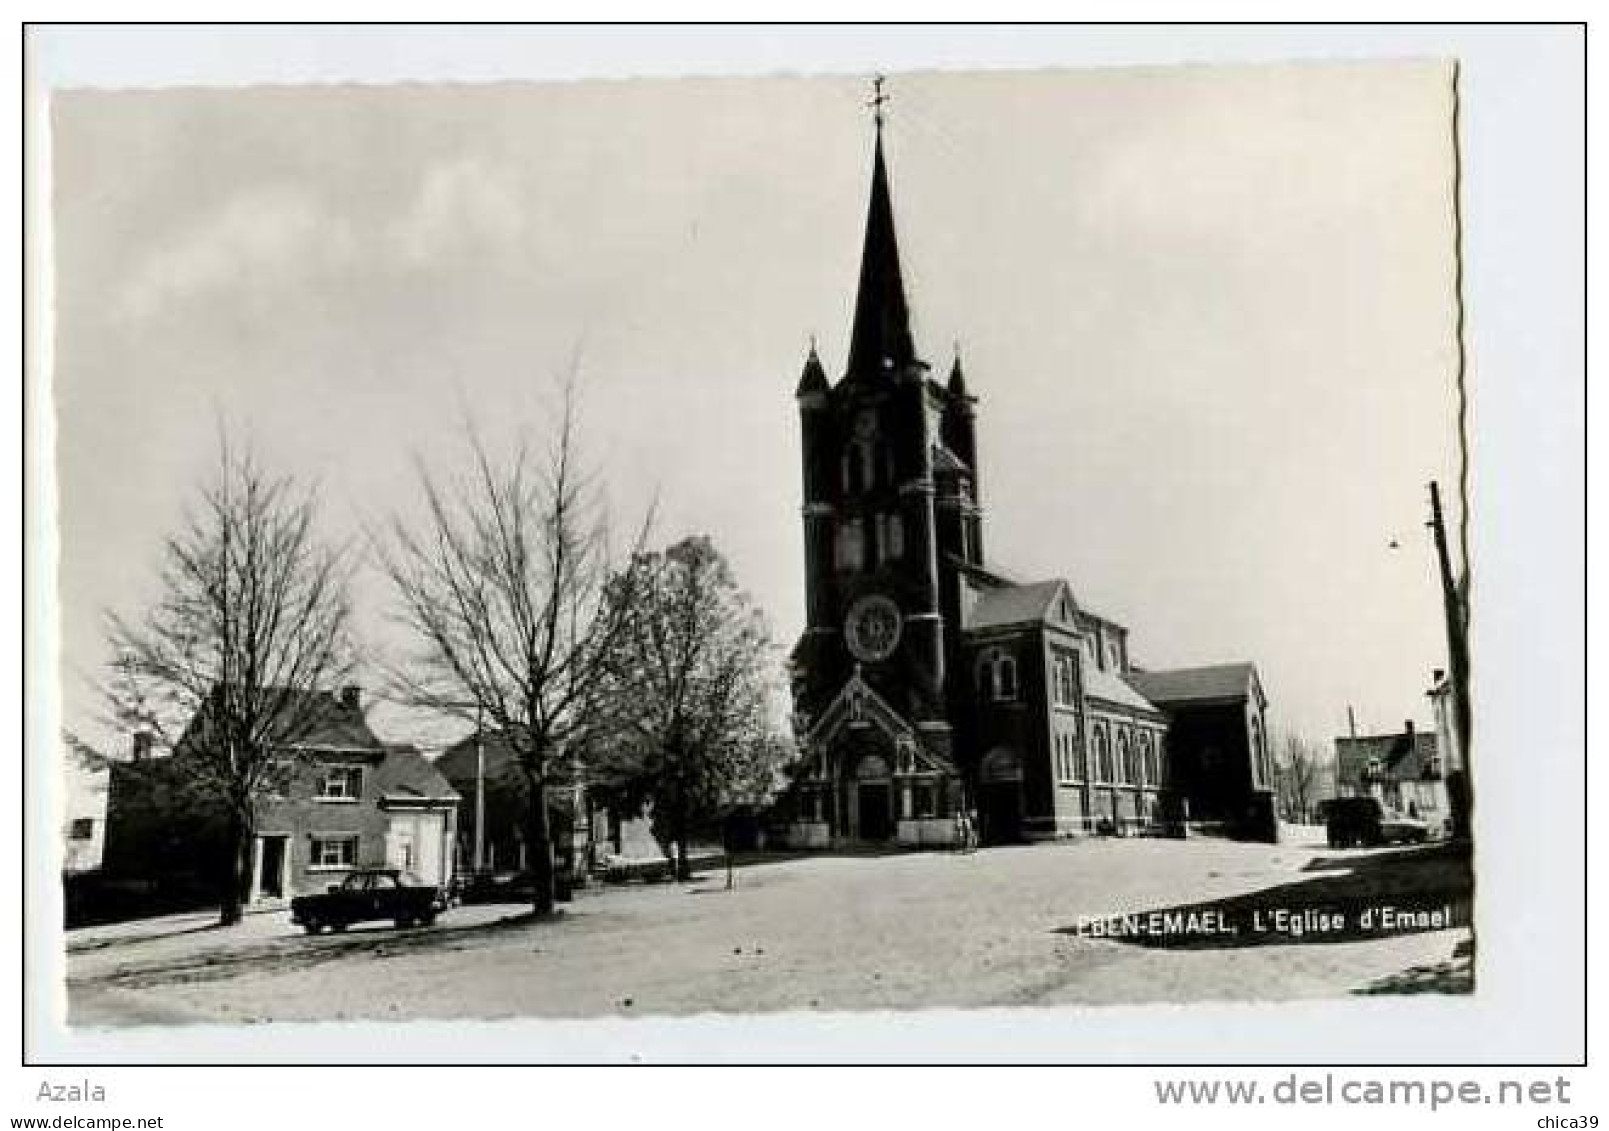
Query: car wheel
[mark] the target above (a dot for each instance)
(402, 922)
(338, 927)
(312, 926)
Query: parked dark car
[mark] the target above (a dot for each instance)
(510, 887)
(1366, 822)
(366, 894)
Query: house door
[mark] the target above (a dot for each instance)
(271, 854)
(876, 821)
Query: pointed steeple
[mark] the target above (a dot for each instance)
(958, 382)
(814, 378)
(880, 342)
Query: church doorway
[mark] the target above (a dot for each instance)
(874, 799)
(1000, 797)
(875, 818)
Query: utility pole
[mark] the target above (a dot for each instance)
(1453, 608)
(480, 793)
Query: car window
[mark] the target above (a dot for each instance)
(384, 881)
(408, 879)
(354, 882)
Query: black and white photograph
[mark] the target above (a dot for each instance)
(799, 546)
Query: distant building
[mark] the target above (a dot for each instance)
(1404, 770)
(342, 799)
(492, 830)
(84, 818)
(928, 681)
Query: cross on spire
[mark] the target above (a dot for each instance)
(879, 100)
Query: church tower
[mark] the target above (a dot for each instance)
(889, 512)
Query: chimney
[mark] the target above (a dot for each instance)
(1407, 728)
(143, 741)
(352, 697)
(1437, 675)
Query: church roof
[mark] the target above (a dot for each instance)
(880, 341)
(1016, 604)
(1195, 685)
(1102, 684)
(946, 460)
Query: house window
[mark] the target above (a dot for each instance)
(1125, 759)
(83, 828)
(341, 783)
(334, 852)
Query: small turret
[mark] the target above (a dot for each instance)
(814, 378)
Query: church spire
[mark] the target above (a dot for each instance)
(880, 341)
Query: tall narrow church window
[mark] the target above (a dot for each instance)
(1008, 678)
(1125, 768)
(895, 542)
(851, 545)
(997, 676)
(1103, 756)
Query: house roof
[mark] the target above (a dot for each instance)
(325, 718)
(1195, 685)
(406, 775)
(1015, 604)
(331, 720)
(1101, 684)
(1399, 756)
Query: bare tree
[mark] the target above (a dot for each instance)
(224, 670)
(502, 585)
(1303, 773)
(683, 709)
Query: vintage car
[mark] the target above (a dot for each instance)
(1366, 822)
(366, 894)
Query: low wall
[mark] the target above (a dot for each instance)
(808, 834)
(926, 832)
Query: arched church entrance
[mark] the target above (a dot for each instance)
(1000, 797)
(874, 799)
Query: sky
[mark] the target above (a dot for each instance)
(1207, 312)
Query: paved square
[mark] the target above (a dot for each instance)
(827, 933)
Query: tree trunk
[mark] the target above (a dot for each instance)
(237, 885)
(539, 848)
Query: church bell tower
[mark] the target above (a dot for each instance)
(875, 463)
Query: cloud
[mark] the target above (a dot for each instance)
(267, 234)
(461, 204)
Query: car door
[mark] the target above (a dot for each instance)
(383, 886)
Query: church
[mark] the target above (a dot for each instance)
(928, 682)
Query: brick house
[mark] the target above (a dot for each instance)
(343, 799)
(1405, 771)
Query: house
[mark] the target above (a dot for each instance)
(929, 680)
(83, 818)
(1404, 770)
(493, 790)
(340, 799)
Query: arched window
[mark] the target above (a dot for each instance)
(852, 544)
(997, 675)
(1125, 759)
(1007, 681)
(1147, 765)
(1103, 756)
